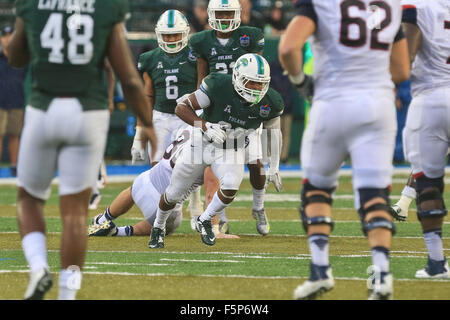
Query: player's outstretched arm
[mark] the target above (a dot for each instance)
(400, 64)
(17, 49)
(274, 144)
(413, 36)
(185, 110)
(121, 60)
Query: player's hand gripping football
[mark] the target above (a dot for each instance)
(215, 132)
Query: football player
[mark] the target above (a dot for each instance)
(234, 107)
(217, 51)
(426, 133)
(169, 72)
(66, 122)
(145, 192)
(360, 51)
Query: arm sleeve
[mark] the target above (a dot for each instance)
(306, 8)
(202, 96)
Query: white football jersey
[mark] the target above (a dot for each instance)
(161, 173)
(431, 66)
(352, 44)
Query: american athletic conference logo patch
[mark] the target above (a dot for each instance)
(264, 111)
(245, 40)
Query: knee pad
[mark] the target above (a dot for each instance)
(317, 198)
(435, 188)
(376, 222)
(367, 194)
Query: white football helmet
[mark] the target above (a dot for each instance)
(224, 25)
(251, 67)
(172, 22)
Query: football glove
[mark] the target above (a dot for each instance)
(305, 87)
(275, 178)
(215, 133)
(137, 149)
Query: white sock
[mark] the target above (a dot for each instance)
(216, 205)
(106, 216)
(161, 218)
(125, 231)
(195, 203)
(258, 198)
(433, 241)
(69, 283)
(409, 192)
(35, 249)
(380, 258)
(318, 245)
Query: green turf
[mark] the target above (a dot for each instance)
(251, 267)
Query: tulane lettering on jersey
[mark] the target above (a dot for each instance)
(172, 76)
(221, 58)
(226, 105)
(67, 42)
(431, 67)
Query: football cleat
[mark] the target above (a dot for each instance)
(95, 201)
(320, 281)
(107, 228)
(207, 233)
(156, 238)
(262, 223)
(382, 288)
(224, 227)
(434, 270)
(40, 282)
(399, 213)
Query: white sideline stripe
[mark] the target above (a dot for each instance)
(127, 264)
(283, 173)
(222, 276)
(193, 260)
(273, 234)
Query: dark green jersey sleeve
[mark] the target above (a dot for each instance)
(256, 39)
(195, 44)
(21, 7)
(144, 62)
(211, 85)
(276, 104)
(122, 11)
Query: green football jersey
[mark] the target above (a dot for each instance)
(67, 42)
(172, 76)
(228, 106)
(221, 58)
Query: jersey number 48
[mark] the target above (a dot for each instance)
(80, 29)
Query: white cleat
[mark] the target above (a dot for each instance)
(40, 282)
(433, 273)
(383, 289)
(194, 223)
(320, 282)
(399, 213)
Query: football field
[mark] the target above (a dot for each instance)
(252, 267)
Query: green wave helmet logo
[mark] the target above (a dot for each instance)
(243, 62)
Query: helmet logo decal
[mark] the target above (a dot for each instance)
(245, 40)
(243, 62)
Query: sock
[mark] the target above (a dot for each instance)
(318, 245)
(69, 283)
(161, 218)
(409, 192)
(126, 231)
(35, 249)
(216, 205)
(195, 203)
(433, 241)
(223, 216)
(258, 198)
(380, 258)
(106, 216)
